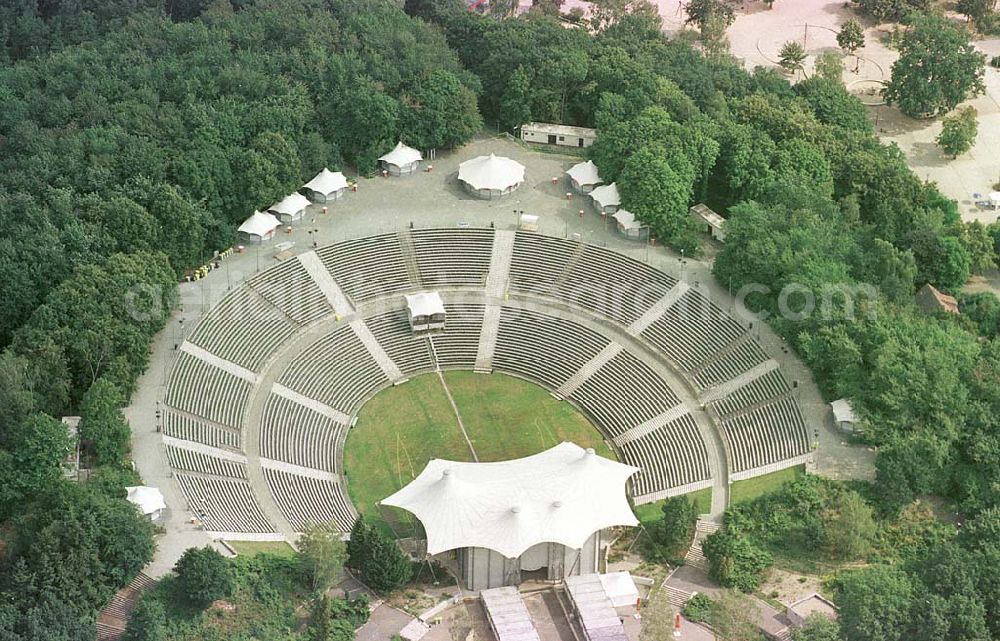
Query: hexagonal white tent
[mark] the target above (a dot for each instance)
(289, 208)
(326, 186)
(606, 198)
(491, 176)
(402, 160)
(258, 227)
(148, 500)
(584, 176)
(545, 510)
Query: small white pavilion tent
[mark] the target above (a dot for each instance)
(402, 160)
(584, 176)
(995, 199)
(326, 186)
(844, 416)
(491, 176)
(542, 511)
(149, 500)
(258, 227)
(606, 198)
(627, 224)
(426, 311)
(290, 208)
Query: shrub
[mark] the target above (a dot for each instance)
(698, 607)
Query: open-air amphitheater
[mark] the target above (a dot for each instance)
(261, 395)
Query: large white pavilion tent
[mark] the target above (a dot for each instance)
(584, 176)
(606, 198)
(491, 176)
(326, 186)
(402, 160)
(290, 208)
(541, 511)
(258, 227)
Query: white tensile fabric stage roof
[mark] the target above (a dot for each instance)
(562, 495)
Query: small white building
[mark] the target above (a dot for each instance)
(326, 186)
(258, 228)
(290, 208)
(606, 198)
(148, 500)
(401, 161)
(711, 222)
(548, 133)
(584, 176)
(628, 225)
(844, 416)
(490, 177)
(425, 311)
(527, 222)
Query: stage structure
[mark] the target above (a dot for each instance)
(426, 312)
(542, 516)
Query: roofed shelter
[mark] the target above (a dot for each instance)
(491, 176)
(290, 208)
(258, 228)
(932, 300)
(401, 161)
(326, 186)
(542, 514)
(606, 198)
(425, 311)
(148, 500)
(584, 176)
(628, 225)
(711, 222)
(844, 416)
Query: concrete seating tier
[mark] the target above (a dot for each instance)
(224, 505)
(367, 267)
(188, 428)
(623, 394)
(456, 347)
(765, 388)
(410, 353)
(296, 434)
(337, 370)
(588, 276)
(454, 257)
(244, 329)
(671, 456)
(544, 348)
(200, 388)
(692, 330)
(766, 434)
(289, 287)
(191, 461)
(744, 356)
(304, 499)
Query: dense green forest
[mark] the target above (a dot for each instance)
(136, 133)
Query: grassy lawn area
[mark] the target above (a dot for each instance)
(507, 417)
(249, 548)
(649, 512)
(403, 427)
(752, 488)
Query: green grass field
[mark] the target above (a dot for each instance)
(403, 427)
(650, 512)
(752, 488)
(250, 548)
